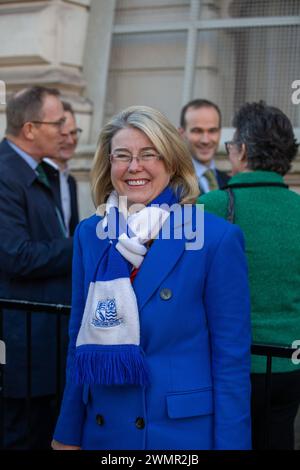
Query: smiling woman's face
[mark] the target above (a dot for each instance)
(140, 181)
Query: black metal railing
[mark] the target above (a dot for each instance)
(29, 309)
(270, 351)
(266, 350)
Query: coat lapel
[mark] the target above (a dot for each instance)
(97, 247)
(159, 261)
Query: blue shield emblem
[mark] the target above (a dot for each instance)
(106, 314)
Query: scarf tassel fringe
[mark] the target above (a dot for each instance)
(109, 365)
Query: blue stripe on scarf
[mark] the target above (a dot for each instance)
(117, 363)
(111, 365)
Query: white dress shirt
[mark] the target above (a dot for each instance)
(200, 169)
(65, 195)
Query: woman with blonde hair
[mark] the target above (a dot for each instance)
(159, 353)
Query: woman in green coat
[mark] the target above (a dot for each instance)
(260, 153)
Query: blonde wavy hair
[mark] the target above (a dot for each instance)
(166, 140)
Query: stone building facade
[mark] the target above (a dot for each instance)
(107, 54)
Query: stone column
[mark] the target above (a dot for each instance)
(96, 59)
(207, 66)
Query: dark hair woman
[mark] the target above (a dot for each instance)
(257, 200)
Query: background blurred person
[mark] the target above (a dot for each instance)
(200, 126)
(62, 182)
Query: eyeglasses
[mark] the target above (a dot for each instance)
(73, 133)
(126, 158)
(60, 123)
(229, 144)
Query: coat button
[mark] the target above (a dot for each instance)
(99, 420)
(165, 294)
(140, 423)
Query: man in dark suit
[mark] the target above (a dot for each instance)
(35, 261)
(200, 126)
(62, 182)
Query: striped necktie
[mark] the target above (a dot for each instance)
(211, 179)
(43, 178)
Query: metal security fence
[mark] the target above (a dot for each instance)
(29, 309)
(270, 351)
(32, 308)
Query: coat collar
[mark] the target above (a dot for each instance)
(257, 176)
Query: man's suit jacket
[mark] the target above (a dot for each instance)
(74, 204)
(35, 264)
(222, 178)
(53, 177)
(196, 342)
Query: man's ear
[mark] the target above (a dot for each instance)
(28, 131)
(181, 131)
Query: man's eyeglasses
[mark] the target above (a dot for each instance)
(60, 123)
(74, 133)
(126, 158)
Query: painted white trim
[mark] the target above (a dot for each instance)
(96, 59)
(191, 50)
(202, 25)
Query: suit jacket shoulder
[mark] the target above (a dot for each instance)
(74, 204)
(13, 168)
(222, 178)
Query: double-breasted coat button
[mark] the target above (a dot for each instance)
(165, 294)
(140, 423)
(99, 420)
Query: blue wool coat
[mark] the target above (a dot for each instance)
(196, 339)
